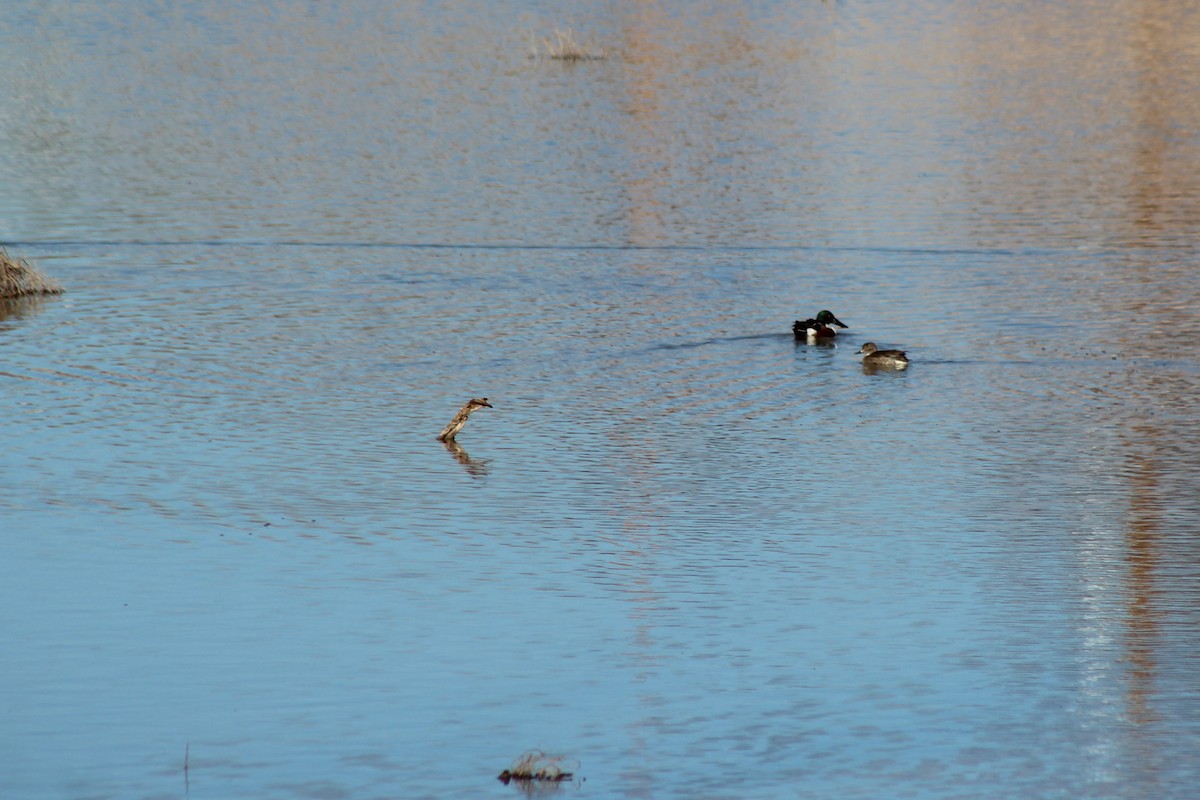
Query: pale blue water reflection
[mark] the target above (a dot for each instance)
(702, 559)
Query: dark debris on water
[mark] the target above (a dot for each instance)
(534, 765)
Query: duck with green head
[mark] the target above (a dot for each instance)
(818, 327)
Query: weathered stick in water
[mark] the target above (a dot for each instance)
(474, 404)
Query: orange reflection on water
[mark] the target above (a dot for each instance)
(1141, 539)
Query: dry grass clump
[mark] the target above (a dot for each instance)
(17, 278)
(535, 765)
(563, 47)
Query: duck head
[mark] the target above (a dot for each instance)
(826, 317)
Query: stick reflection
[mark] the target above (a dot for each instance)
(475, 468)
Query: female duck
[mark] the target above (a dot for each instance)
(874, 357)
(818, 327)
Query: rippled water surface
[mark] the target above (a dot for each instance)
(698, 558)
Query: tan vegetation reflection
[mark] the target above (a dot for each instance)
(1083, 123)
(1142, 533)
(684, 103)
(18, 307)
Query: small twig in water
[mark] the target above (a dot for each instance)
(535, 765)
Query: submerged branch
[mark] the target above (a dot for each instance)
(460, 419)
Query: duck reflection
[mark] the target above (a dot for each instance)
(475, 468)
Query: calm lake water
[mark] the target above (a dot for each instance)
(699, 559)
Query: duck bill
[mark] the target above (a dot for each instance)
(839, 323)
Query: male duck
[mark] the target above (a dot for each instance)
(874, 357)
(819, 327)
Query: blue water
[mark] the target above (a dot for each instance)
(695, 557)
